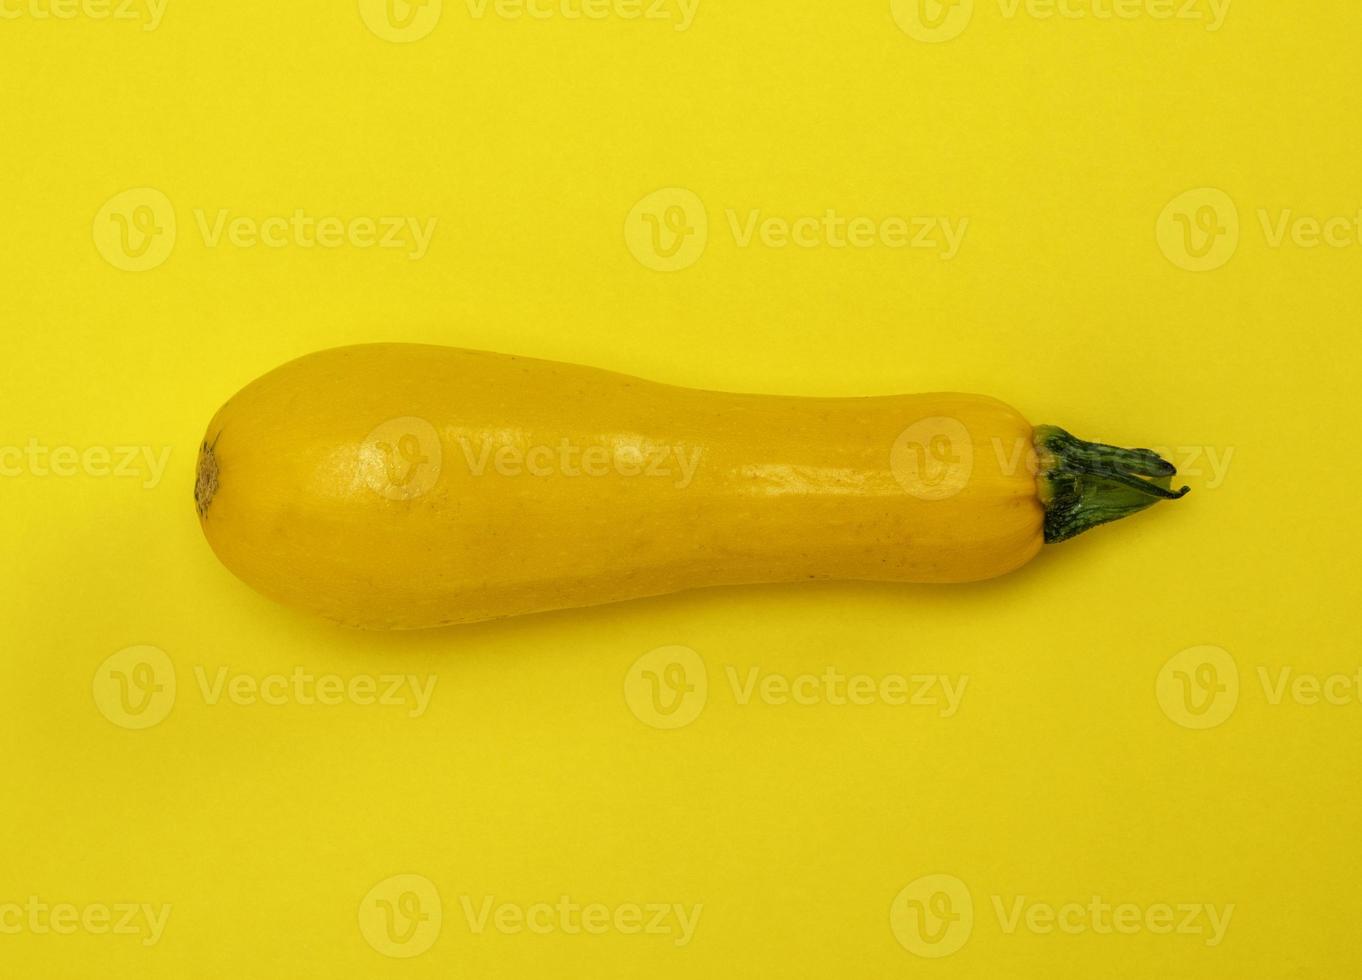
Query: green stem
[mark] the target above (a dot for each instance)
(1084, 484)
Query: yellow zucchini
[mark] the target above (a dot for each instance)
(397, 486)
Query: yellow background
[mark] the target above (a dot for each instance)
(1062, 140)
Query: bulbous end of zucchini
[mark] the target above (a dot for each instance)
(1084, 484)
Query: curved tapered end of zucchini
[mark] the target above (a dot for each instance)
(1084, 484)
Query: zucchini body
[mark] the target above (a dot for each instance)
(400, 486)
